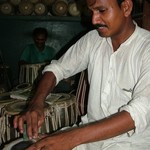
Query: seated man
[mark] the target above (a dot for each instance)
(117, 57)
(35, 56)
(38, 52)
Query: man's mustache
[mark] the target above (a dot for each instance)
(99, 25)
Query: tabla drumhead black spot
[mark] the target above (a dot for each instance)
(22, 145)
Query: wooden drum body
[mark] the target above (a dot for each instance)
(4, 101)
(6, 8)
(40, 9)
(60, 7)
(29, 72)
(73, 9)
(62, 112)
(26, 8)
(8, 113)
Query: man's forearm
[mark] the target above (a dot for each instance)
(46, 85)
(107, 128)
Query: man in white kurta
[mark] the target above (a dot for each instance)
(117, 58)
(118, 81)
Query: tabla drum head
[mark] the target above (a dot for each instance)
(60, 7)
(17, 107)
(4, 97)
(26, 8)
(22, 145)
(23, 86)
(73, 9)
(40, 9)
(18, 144)
(54, 97)
(6, 8)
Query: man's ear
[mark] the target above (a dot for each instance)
(127, 6)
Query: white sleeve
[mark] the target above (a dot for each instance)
(139, 106)
(74, 60)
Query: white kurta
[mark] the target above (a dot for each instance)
(118, 81)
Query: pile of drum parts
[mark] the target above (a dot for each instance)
(60, 109)
(40, 7)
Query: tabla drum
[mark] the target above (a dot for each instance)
(22, 87)
(8, 113)
(26, 8)
(6, 8)
(29, 72)
(4, 100)
(60, 7)
(60, 111)
(40, 9)
(63, 111)
(73, 9)
(22, 92)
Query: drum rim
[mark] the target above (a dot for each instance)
(9, 111)
(9, 145)
(66, 97)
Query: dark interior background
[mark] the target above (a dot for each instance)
(16, 30)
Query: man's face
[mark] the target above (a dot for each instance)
(107, 16)
(40, 40)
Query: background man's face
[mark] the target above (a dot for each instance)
(40, 40)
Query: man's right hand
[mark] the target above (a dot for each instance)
(33, 117)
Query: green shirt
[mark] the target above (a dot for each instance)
(32, 55)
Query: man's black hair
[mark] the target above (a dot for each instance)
(119, 2)
(40, 30)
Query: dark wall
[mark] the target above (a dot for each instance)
(15, 34)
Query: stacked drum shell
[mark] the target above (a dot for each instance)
(7, 8)
(26, 8)
(40, 7)
(73, 9)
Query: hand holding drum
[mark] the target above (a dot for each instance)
(33, 117)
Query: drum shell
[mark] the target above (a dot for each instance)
(40, 9)
(30, 72)
(26, 8)
(73, 9)
(59, 113)
(7, 8)
(59, 8)
(63, 111)
(8, 113)
(4, 125)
